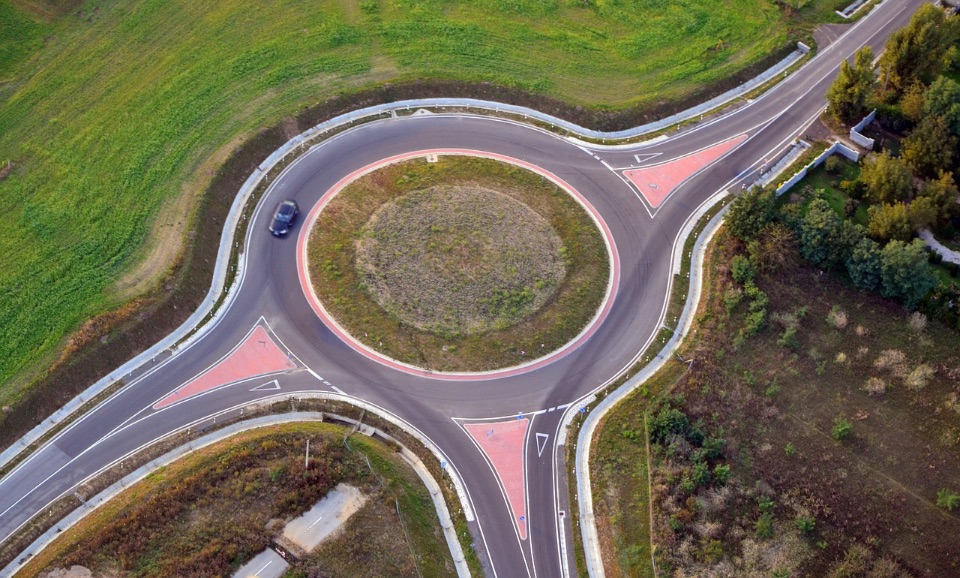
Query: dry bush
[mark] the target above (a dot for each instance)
(952, 402)
(892, 360)
(919, 377)
(875, 386)
(918, 321)
(862, 351)
(887, 568)
(862, 331)
(838, 318)
(842, 359)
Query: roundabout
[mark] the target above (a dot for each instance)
(500, 436)
(449, 265)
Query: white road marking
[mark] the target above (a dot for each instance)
(541, 443)
(260, 571)
(269, 386)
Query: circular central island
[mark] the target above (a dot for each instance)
(456, 263)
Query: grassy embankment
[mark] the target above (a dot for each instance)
(841, 424)
(347, 293)
(116, 116)
(213, 510)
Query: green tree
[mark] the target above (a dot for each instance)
(888, 179)
(905, 273)
(913, 101)
(943, 99)
(774, 249)
(931, 147)
(851, 90)
(943, 194)
(920, 50)
(889, 221)
(826, 240)
(923, 213)
(750, 212)
(863, 265)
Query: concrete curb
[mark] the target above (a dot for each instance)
(587, 521)
(588, 529)
(192, 328)
(139, 474)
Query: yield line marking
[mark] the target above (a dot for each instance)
(269, 386)
(541, 443)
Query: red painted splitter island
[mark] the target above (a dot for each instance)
(656, 182)
(502, 442)
(256, 355)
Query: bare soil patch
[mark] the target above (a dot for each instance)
(503, 297)
(457, 260)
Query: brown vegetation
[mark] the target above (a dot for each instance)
(836, 450)
(459, 260)
(210, 512)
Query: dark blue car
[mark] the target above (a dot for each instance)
(284, 217)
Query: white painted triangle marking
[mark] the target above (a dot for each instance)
(269, 386)
(541, 443)
(642, 158)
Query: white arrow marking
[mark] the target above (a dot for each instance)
(269, 386)
(541, 443)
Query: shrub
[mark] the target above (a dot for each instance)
(731, 298)
(890, 360)
(806, 524)
(919, 377)
(788, 338)
(841, 428)
(700, 474)
(833, 164)
(764, 526)
(837, 317)
(750, 212)
(667, 422)
(918, 321)
(742, 270)
(721, 474)
(947, 500)
(875, 386)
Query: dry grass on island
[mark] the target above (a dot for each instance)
(465, 264)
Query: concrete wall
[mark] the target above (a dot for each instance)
(836, 148)
(859, 138)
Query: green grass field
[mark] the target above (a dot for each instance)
(113, 111)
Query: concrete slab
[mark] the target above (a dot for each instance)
(266, 564)
(324, 518)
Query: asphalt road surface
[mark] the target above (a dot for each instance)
(270, 297)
